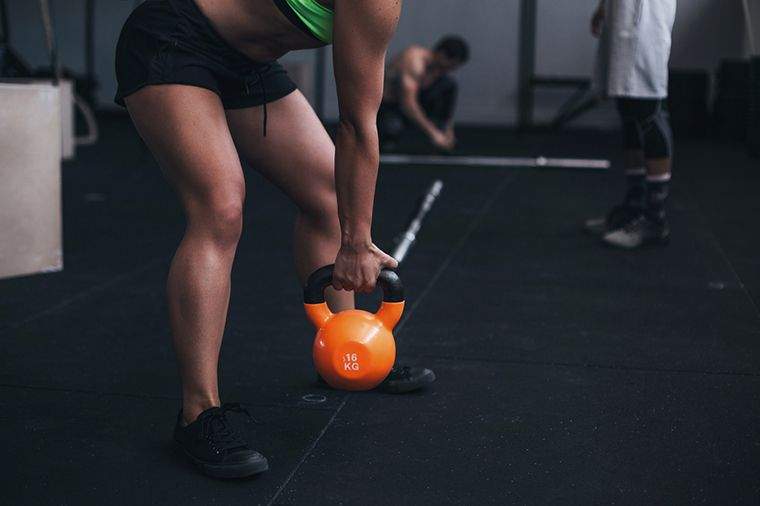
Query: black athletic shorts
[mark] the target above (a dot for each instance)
(172, 42)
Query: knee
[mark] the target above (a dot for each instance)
(221, 220)
(646, 127)
(450, 91)
(227, 221)
(632, 140)
(658, 138)
(447, 83)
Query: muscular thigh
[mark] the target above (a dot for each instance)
(186, 129)
(297, 154)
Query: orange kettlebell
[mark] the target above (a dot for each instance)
(354, 349)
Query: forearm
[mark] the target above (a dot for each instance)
(356, 162)
(414, 112)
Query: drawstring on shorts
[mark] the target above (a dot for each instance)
(259, 79)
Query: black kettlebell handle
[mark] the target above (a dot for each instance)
(314, 292)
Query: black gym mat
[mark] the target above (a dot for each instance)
(496, 433)
(86, 448)
(567, 372)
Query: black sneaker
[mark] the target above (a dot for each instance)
(406, 379)
(616, 218)
(217, 446)
(400, 380)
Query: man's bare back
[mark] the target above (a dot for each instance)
(413, 64)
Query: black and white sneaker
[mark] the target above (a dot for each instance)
(406, 379)
(616, 218)
(639, 232)
(400, 380)
(215, 443)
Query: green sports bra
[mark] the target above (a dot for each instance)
(310, 16)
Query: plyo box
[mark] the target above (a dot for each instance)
(30, 178)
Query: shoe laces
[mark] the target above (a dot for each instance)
(238, 408)
(218, 431)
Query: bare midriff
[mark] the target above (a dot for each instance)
(256, 28)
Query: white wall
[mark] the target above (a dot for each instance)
(706, 30)
(565, 47)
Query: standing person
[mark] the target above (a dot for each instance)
(201, 82)
(634, 49)
(421, 92)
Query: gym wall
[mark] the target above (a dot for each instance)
(488, 84)
(706, 30)
(27, 37)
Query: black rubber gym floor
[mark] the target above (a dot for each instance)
(568, 373)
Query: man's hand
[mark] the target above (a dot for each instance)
(443, 140)
(597, 20)
(451, 136)
(357, 268)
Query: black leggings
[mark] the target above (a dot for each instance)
(646, 127)
(438, 101)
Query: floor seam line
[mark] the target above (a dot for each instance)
(722, 252)
(457, 247)
(444, 265)
(308, 452)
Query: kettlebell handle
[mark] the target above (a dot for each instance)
(314, 291)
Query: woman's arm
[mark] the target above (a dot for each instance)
(362, 31)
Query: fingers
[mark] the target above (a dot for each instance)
(360, 272)
(364, 283)
(390, 263)
(341, 280)
(361, 282)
